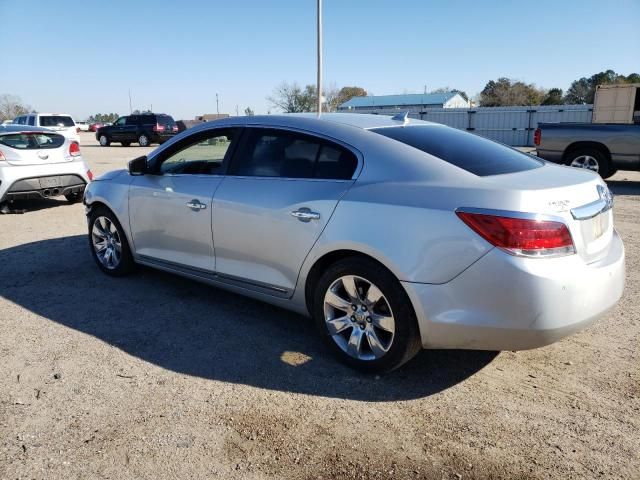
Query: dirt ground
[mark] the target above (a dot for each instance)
(157, 377)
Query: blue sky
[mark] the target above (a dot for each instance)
(82, 57)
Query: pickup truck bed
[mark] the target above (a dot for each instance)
(604, 148)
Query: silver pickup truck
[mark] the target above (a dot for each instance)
(604, 148)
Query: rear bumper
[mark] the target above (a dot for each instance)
(503, 302)
(23, 182)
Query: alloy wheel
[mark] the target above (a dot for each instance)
(103, 140)
(106, 242)
(359, 318)
(143, 141)
(586, 161)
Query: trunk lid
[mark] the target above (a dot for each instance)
(578, 197)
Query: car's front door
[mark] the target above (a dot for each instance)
(170, 208)
(117, 129)
(281, 189)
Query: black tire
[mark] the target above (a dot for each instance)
(126, 263)
(405, 343)
(144, 140)
(603, 161)
(125, 144)
(104, 140)
(73, 197)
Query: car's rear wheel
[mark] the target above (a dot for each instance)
(590, 159)
(108, 242)
(104, 141)
(365, 316)
(125, 144)
(73, 197)
(143, 140)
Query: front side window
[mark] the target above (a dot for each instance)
(205, 156)
(32, 120)
(120, 121)
(20, 120)
(280, 153)
(56, 121)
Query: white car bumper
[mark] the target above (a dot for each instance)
(504, 302)
(33, 181)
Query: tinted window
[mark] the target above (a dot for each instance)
(19, 120)
(278, 153)
(203, 156)
(147, 119)
(165, 121)
(132, 120)
(56, 121)
(31, 120)
(470, 152)
(121, 121)
(32, 141)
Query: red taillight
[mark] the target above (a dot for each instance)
(158, 128)
(74, 149)
(2, 158)
(520, 236)
(90, 174)
(537, 136)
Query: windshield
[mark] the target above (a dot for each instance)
(470, 152)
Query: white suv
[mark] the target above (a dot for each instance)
(38, 163)
(59, 122)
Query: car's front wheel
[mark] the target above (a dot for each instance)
(143, 140)
(366, 316)
(104, 141)
(108, 243)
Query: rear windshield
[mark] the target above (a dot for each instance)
(32, 141)
(56, 121)
(166, 121)
(470, 152)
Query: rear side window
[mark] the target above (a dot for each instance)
(32, 141)
(132, 120)
(32, 120)
(470, 152)
(280, 153)
(56, 121)
(147, 119)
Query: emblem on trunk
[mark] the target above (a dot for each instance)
(43, 155)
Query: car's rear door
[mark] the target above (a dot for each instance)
(281, 190)
(170, 210)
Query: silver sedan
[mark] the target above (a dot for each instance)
(394, 235)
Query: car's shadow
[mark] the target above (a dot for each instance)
(624, 187)
(35, 204)
(194, 329)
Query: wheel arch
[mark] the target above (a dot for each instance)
(329, 258)
(601, 147)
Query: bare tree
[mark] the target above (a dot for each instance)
(248, 112)
(291, 98)
(11, 106)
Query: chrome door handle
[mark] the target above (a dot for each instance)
(305, 214)
(196, 205)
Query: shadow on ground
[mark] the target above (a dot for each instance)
(624, 187)
(32, 205)
(195, 329)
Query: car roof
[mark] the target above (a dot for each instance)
(51, 114)
(15, 128)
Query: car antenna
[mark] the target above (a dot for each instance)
(401, 117)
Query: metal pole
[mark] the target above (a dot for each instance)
(217, 105)
(130, 109)
(319, 57)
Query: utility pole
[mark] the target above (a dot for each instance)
(319, 86)
(217, 105)
(130, 109)
(237, 114)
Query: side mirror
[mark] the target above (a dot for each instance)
(138, 166)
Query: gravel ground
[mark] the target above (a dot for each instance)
(153, 376)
